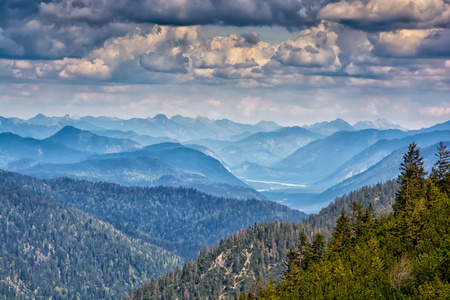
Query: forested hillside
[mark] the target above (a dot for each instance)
(51, 251)
(403, 255)
(236, 263)
(178, 219)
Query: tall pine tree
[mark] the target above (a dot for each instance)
(411, 180)
(341, 232)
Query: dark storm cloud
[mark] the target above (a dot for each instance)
(287, 13)
(34, 29)
(386, 15)
(436, 44)
(157, 62)
(250, 37)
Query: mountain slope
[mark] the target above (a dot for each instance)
(267, 148)
(380, 124)
(386, 169)
(140, 171)
(236, 263)
(14, 147)
(440, 126)
(321, 157)
(162, 164)
(177, 219)
(191, 160)
(404, 255)
(375, 153)
(144, 140)
(329, 128)
(22, 128)
(178, 127)
(86, 141)
(49, 250)
(221, 129)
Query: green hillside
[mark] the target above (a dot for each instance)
(256, 253)
(51, 251)
(403, 255)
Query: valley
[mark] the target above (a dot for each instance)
(178, 186)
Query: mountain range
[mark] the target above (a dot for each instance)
(77, 153)
(303, 167)
(99, 205)
(176, 128)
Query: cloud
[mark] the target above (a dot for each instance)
(288, 13)
(249, 105)
(159, 62)
(314, 48)
(387, 15)
(23, 64)
(250, 37)
(209, 59)
(324, 56)
(374, 105)
(412, 43)
(249, 63)
(84, 68)
(214, 102)
(72, 28)
(368, 82)
(435, 111)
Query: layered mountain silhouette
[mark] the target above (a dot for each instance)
(222, 157)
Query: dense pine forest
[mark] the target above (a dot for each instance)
(52, 251)
(403, 255)
(181, 220)
(69, 239)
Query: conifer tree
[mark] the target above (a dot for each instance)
(441, 169)
(318, 246)
(341, 232)
(291, 272)
(302, 248)
(411, 180)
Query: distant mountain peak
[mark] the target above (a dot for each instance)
(339, 120)
(38, 118)
(69, 133)
(160, 117)
(268, 125)
(380, 124)
(69, 130)
(328, 128)
(83, 140)
(40, 115)
(200, 118)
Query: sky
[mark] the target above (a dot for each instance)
(295, 62)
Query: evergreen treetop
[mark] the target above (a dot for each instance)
(411, 180)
